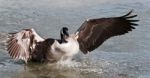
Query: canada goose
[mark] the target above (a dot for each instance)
(27, 45)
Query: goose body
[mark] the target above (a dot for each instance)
(55, 51)
(27, 45)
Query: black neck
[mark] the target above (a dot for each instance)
(63, 38)
(64, 34)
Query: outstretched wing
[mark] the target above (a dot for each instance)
(22, 43)
(94, 32)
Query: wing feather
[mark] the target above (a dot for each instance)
(94, 32)
(20, 43)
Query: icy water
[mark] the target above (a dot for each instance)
(119, 57)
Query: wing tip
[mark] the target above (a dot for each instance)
(129, 17)
(128, 13)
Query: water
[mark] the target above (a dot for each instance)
(119, 57)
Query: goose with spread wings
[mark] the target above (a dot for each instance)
(27, 45)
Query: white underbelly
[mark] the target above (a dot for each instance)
(71, 48)
(65, 50)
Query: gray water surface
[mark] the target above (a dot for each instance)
(119, 57)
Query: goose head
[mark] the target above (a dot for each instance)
(64, 34)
